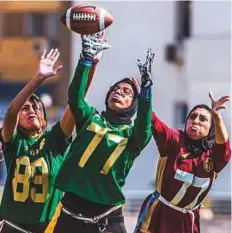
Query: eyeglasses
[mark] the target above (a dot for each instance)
(125, 90)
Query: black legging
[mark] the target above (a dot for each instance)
(113, 223)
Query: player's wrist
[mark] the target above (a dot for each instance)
(146, 81)
(146, 92)
(39, 77)
(85, 61)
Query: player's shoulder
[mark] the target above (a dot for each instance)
(97, 118)
(17, 136)
(16, 141)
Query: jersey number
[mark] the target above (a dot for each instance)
(188, 180)
(100, 133)
(27, 173)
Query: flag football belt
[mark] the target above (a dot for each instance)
(93, 220)
(182, 210)
(13, 226)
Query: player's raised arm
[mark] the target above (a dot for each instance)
(67, 123)
(221, 135)
(142, 128)
(91, 46)
(164, 136)
(221, 151)
(45, 70)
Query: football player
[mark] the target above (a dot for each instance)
(102, 154)
(33, 155)
(188, 165)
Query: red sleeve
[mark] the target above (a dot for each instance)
(221, 154)
(164, 136)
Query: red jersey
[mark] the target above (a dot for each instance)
(182, 179)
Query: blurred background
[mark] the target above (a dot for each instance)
(192, 43)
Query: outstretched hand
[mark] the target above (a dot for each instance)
(218, 104)
(102, 39)
(93, 45)
(145, 68)
(46, 65)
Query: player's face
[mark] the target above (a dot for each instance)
(121, 96)
(198, 124)
(31, 116)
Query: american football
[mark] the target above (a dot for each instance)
(86, 18)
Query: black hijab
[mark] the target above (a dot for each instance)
(121, 116)
(197, 147)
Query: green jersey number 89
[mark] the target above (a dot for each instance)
(27, 173)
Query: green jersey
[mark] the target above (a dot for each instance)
(102, 154)
(32, 164)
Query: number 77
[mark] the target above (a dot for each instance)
(100, 133)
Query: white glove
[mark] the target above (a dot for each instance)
(92, 45)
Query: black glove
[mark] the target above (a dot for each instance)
(92, 45)
(145, 69)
